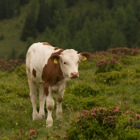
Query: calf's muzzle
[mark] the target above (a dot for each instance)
(74, 74)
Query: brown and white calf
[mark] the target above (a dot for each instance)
(53, 68)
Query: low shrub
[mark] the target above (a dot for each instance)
(75, 103)
(127, 60)
(21, 71)
(71, 102)
(12, 85)
(83, 90)
(90, 64)
(124, 51)
(113, 77)
(113, 59)
(25, 135)
(101, 123)
(138, 69)
(9, 65)
(108, 64)
(81, 96)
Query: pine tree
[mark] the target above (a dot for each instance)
(42, 16)
(29, 29)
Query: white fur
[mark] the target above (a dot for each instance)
(37, 56)
(71, 58)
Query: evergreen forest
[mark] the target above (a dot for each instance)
(85, 25)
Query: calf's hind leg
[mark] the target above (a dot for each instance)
(33, 96)
(42, 98)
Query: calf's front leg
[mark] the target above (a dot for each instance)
(33, 96)
(59, 103)
(49, 106)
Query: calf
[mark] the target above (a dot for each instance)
(52, 68)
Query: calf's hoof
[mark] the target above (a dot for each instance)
(49, 123)
(41, 116)
(35, 116)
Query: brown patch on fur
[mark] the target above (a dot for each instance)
(45, 43)
(46, 88)
(57, 53)
(34, 72)
(52, 73)
(56, 48)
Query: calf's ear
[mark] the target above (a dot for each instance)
(83, 56)
(55, 58)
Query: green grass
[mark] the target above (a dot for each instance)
(16, 109)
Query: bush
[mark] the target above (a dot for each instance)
(81, 96)
(87, 65)
(21, 72)
(83, 90)
(101, 123)
(113, 77)
(108, 64)
(124, 51)
(9, 65)
(22, 134)
(113, 59)
(72, 102)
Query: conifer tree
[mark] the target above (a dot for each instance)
(42, 16)
(29, 29)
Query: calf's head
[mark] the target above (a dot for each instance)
(69, 61)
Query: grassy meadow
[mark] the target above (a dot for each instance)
(109, 79)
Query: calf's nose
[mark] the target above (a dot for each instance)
(74, 74)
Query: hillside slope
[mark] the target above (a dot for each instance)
(110, 80)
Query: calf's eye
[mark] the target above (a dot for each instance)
(65, 63)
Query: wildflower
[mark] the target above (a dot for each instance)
(32, 131)
(124, 102)
(110, 117)
(114, 117)
(131, 119)
(92, 114)
(127, 112)
(116, 109)
(84, 112)
(102, 109)
(78, 117)
(95, 110)
(138, 116)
